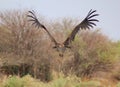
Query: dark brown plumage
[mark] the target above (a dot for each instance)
(87, 23)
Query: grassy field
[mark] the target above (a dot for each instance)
(70, 81)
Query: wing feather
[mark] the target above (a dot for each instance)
(37, 24)
(87, 23)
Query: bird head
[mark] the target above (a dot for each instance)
(60, 48)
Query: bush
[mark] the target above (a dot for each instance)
(14, 82)
(93, 52)
(28, 81)
(20, 70)
(22, 43)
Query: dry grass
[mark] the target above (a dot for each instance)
(61, 81)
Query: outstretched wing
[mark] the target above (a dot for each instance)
(87, 23)
(37, 24)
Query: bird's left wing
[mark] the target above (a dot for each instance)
(87, 23)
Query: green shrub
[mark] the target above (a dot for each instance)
(118, 85)
(14, 82)
(88, 84)
(61, 82)
(73, 81)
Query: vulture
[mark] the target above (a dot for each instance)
(87, 23)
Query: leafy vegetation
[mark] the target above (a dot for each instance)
(118, 85)
(28, 81)
(14, 82)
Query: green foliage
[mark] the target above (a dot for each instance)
(31, 82)
(118, 49)
(61, 82)
(28, 81)
(14, 82)
(89, 84)
(118, 85)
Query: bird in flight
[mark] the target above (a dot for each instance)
(87, 23)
